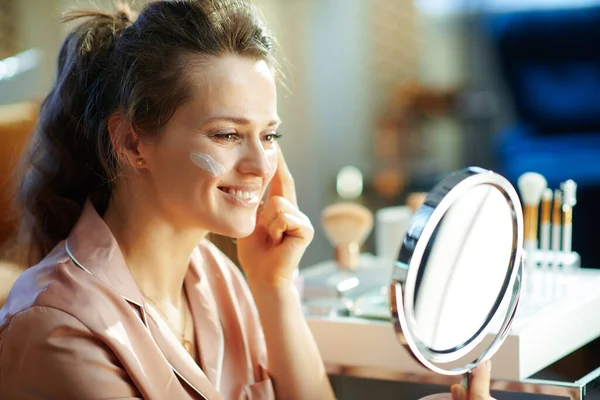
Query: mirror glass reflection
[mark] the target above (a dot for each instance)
(464, 269)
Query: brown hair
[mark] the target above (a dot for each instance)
(115, 62)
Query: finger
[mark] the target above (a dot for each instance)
(480, 382)
(288, 225)
(282, 183)
(274, 206)
(458, 392)
(277, 228)
(278, 206)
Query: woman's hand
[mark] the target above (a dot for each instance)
(272, 252)
(479, 388)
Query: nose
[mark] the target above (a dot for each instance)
(254, 159)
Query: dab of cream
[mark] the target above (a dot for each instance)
(207, 163)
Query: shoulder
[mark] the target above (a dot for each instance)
(50, 345)
(37, 323)
(47, 352)
(30, 334)
(52, 285)
(31, 284)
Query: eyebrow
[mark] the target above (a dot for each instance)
(239, 120)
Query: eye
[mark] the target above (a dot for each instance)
(228, 137)
(272, 137)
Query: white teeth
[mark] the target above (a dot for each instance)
(242, 194)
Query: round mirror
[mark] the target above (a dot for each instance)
(458, 274)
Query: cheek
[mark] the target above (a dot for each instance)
(180, 172)
(207, 163)
(215, 163)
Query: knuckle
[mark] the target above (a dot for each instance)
(277, 219)
(281, 215)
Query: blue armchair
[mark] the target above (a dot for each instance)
(550, 61)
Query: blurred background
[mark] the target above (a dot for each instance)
(401, 91)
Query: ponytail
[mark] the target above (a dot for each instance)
(70, 156)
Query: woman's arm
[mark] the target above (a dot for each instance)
(269, 258)
(46, 353)
(295, 364)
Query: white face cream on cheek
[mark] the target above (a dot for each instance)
(207, 163)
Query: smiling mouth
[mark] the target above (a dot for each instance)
(248, 197)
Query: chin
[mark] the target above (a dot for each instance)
(242, 233)
(239, 231)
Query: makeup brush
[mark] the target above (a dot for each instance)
(545, 226)
(569, 189)
(347, 226)
(531, 185)
(556, 228)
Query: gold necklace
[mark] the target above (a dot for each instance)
(186, 343)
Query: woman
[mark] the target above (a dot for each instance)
(158, 131)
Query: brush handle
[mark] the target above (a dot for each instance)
(556, 228)
(530, 222)
(530, 249)
(545, 243)
(567, 238)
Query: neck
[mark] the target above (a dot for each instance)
(156, 252)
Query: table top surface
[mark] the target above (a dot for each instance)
(562, 315)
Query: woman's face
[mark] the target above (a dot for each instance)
(210, 166)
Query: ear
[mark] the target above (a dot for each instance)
(125, 140)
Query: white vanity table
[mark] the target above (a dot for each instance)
(541, 334)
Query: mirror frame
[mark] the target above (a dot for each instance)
(406, 268)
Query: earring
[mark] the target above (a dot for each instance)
(139, 161)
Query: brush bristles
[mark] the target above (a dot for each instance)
(531, 186)
(346, 223)
(547, 195)
(569, 189)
